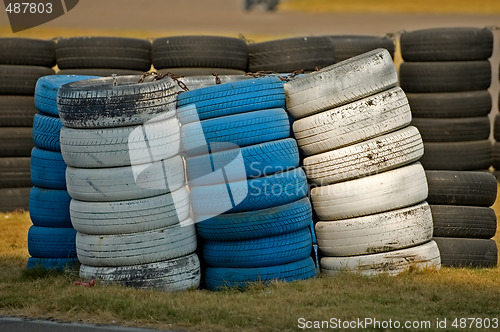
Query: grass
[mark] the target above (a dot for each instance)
(421, 296)
(393, 6)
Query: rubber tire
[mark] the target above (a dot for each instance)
(125, 183)
(289, 55)
(48, 169)
(453, 130)
(16, 141)
(461, 188)
(27, 52)
(451, 76)
(390, 263)
(249, 195)
(204, 81)
(46, 132)
(101, 72)
(103, 52)
(378, 193)
(46, 91)
(126, 104)
(15, 172)
(476, 253)
(12, 199)
(200, 51)
(236, 97)
(47, 242)
(450, 104)
(255, 161)
(235, 130)
(178, 274)
(131, 216)
(464, 221)
(17, 111)
(188, 72)
(269, 222)
(58, 264)
(21, 80)
(374, 156)
(352, 123)
(121, 146)
(447, 44)
(458, 156)
(50, 208)
(136, 248)
(346, 47)
(342, 83)
(377, 233)
(221, 278)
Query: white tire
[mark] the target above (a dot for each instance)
(131, 216)
(382, 232)
(120, 146)
(355, 122)
(386, 191)
(177, 274)
(392, 263)
(341, 83)
(374, 156)
(125, 183)
(137, 248)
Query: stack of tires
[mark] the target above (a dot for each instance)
(496, 143)
(368, 188)
(463, 222)
(248, 193)
(51, 239)
(129, 203)
(200, 55)
(22, 62)
(103, 56)
(446, 75)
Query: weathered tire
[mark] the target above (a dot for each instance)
(136, 248)
(374, 156)
(48, 169)
(451, 76)
(103, 52)
(98, 103)
(464, 221)
(46, 132)
(16, 141)
(14, 198)
(17, 111)
(47, 242)
(341, 83)
(27, 52)
(461, 188)
(345, 47)
(453, 130)
(458, 252)
(15, 172)
(457, 156)
(178, 274)
(391, 263)
(50, 208)
(377, 233)
(21, 80)
(386, 191)
(447, 44)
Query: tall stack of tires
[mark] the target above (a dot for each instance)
(248, 193)
(103, 56)
(368, 190)
(51, 239)
(22, 62)
(200, 55)
(446, 75)
(126, 179)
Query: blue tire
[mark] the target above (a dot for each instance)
(46, 132)
(50, 208)
(58, 264)
(48, 242)
(48, 169)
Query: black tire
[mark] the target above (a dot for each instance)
(447, 44)
(15, 172)
(16, 141)
(99, 72)
(17, 111)
(345, 47)
(200, 51)
(453, 130)
(14, 198)
(27, 52)
(21, 80)
(457, 156)
(450, 76)
(103, 52)
(464, 221)
(461, 188)
(288, 55)
(496, 127)
(450, 104)
(457, 252)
